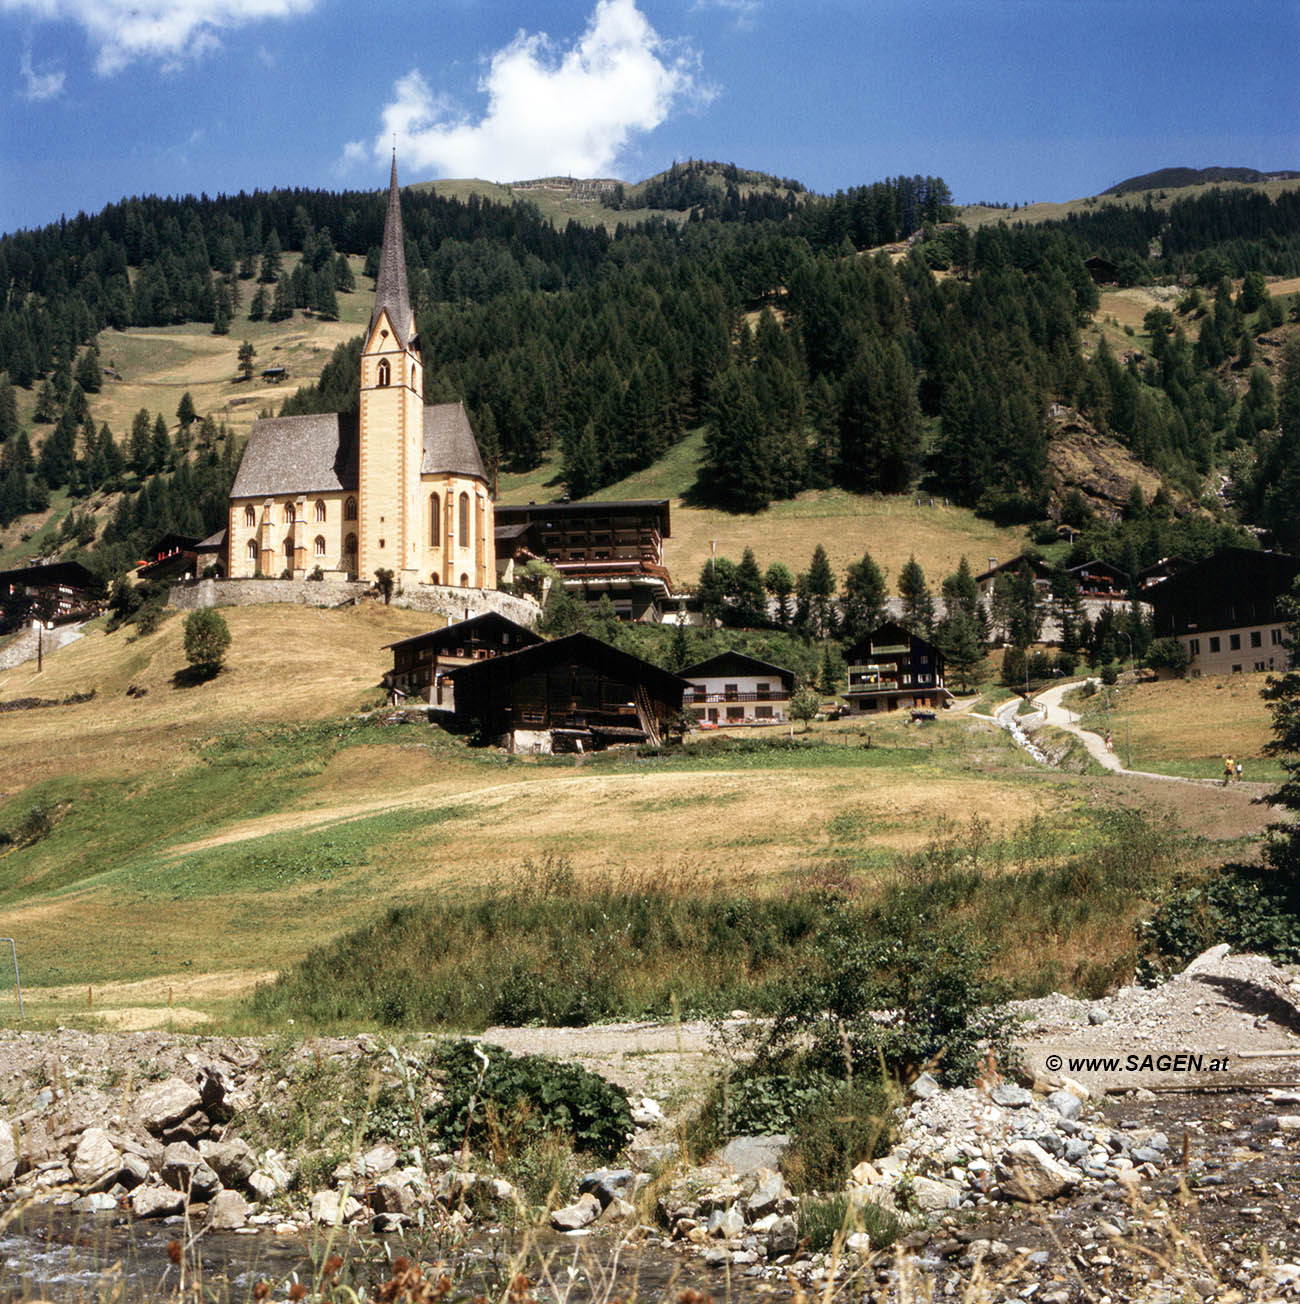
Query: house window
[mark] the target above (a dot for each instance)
(1234, 642)
(350, 545)
(762, 689)
(730, 692)
(1236, 670)
(385, 373)
(1257, 638)
(320, 509)
(350, 510)
(1275, 637)
(435, 521)
(1193, 647)
(288, 550)
(1259, 665)
(318, 547)
(252, 549)
(465, 539)
(762, 713)
(250, 516)
(1214, 642)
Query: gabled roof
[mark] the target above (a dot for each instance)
(889, 634)
(1040, 568)
(298, 455)
(483, 625)
(449, 444)
(580, 649)
(390, 283)
(213, 542)
(549, 513)
(735, 662)
(70, 573)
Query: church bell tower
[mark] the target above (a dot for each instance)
(391, 425)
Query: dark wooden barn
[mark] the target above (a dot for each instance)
(422, 664)
(572, 693)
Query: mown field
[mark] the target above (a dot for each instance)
(168, 851)
(1186, 727)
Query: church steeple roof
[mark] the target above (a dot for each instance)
(390, 285)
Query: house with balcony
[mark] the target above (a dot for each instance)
(422, 664)
(599, 549)
(893, 668)
(735, 689)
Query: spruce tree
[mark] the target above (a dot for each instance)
(819, 587)
(751, 598)
(862, 608)
(780, 583)
(918, 603)
(89, 372)
(8, 410)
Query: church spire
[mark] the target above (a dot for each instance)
(390, 285)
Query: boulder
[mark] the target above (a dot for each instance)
(783, 1238)
(161, 1105)
(392, 1195)
(96, 1161)
(1010, 1096)
(8, 1153)
(607, 1184)
(1030, 1174)
(232, 1161)
(156, 1201)
(747, 1154)
(647, 1113)
(185, 1169)
(726, 1223)
(581, 1213)
(332, 1208)
(1066, 1103)
(135, 1169)
(930, 1195)
(376, 1161)
(228, 1211)
(768, 1190)
(95, 1202)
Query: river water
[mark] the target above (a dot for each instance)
(50, 1254)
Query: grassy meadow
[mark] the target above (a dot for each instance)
(165, 852)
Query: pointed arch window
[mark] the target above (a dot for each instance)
(350, 510)
(385, 373)
(435, 521)
(289, 514)
(252, 549)
(320, 509)
(250, 516)
(318, 545)
(465, 538)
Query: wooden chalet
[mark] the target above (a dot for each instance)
(613, 548)
(574, 693)
(986, 580)
(422, 663)
(59, 592)
(1102, 270)
(1161, 570)
(893, 668)
(1099, 581)
(1224, 612)
(733, 688)
(173, 557)
(516, 545)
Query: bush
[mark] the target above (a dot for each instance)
(821, 1221)
(207, 637)
(1168, 654)
(489, 1092)
(847, 1124)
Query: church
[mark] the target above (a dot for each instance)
(400, 486)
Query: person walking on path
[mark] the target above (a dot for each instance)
(1229, 771)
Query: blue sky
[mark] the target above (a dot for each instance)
(1011, 100)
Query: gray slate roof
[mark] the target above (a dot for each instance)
(449, 443)
(318, 453)
(390, 283)
(298, 455)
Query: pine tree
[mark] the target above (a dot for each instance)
(160, 446)
(862, 608)
(818, 589)
(185, 412)
(958, 638)
(679, 651)
(257, 308)
(89, 373)
(918, 603)
(8, 410)
(246, 355)
(780, 583)
(272, 261)
(751, 598)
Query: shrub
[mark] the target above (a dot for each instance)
(847, 1124)
(821, 1221)
(1168, 654)
(207, 637)
(489, 1092)
(316, 574)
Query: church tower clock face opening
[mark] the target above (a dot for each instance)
(399, 485)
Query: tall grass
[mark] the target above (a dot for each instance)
(1055, 904)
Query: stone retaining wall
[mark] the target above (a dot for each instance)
(454, 604)
(23, 647)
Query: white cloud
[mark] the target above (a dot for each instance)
(549, 111)
(169, 30)
(39, 85)
(743, 11)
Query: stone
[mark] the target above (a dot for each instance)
(647, 1112)
(95, 1202)
(1208, 960)
(135, 1169)
(385, 1224)
(581, 1213)
(1066, 1104)
(769, 1189)
(185, 1169)
(333, 1208)
(8, 1153)
(1076, 1150)
(747, 1154)
(726, 1223)
(930, 1195)
(214, 1092)
(863, 1175)
(232, 1161)
(715, 1257)
(607, 1184)
(96, 1160)
(858, 1243)
(1010, 1096)
(1097, 1015)
(227, 1212)
(161, 1105)
(156, 1201)
(924, 1086)
(1158, 1141)
(376, 1161)
(501, 1191)
(618, 1210)
(1030, 1174)
(1148, 1155)
(783, 1238)
(1075, 1088)
(391, 1195)
(190, 1128)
